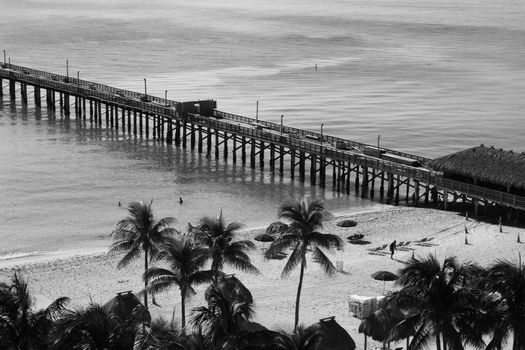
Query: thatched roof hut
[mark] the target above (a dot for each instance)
(485, 166)
(127, 306)
(332, 335)
(233, 286)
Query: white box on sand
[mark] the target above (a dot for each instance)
(362, 306)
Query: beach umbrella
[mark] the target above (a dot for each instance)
(347, 223)
(384, 276)
(264, 237)
(355, 237)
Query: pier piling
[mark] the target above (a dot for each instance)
(172, 121)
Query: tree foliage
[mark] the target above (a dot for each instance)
(22, 327)
(302, 235)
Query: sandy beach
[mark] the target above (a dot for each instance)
(96, 278)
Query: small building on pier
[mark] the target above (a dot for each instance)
(487, 167)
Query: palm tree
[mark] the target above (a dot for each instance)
(301, 338)
(507, 280)
(22, 328)
(217, 236)
(440, 304)
(185, 260)
(222, 319)
(491, 319)
(94, 328)
(383, 325)
(306, 218)
(140, 232)
(160, 335)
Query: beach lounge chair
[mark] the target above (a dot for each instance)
(426, 242)
(405, 247)
(378, 250)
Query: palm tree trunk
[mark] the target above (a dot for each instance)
(146, 281)
(438, 341)
(183, 309)
(215, 268)
(298, 299)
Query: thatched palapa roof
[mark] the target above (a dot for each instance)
(486, 164)
(127, 306)
(332, 336)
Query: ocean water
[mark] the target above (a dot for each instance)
(429, 77)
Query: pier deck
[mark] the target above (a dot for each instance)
(200, 121)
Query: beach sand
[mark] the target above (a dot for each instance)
(96, 278)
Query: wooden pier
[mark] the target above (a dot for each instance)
(323, 159)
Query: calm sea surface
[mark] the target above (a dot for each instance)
(431, 77)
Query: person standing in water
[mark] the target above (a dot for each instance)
(180, 200)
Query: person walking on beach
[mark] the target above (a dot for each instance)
(180, 200)
(392, 249)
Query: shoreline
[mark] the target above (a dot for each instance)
(18, 260)
(95, 278)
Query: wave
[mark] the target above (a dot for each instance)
(11, 256)
(18, 259)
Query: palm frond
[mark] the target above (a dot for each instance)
(280, 244)
(298, 255)
(233, 228)
(157, 272)
(325, 240)
(121, 245)
(124, 232)
(241, 261)
(242, 245)
(419, 273)
(201, 316)
(423, 336)
(201, 277)
(132, 254)
(325, 263)
(164, 223)
(160, 285)
(405, 327)
(20, 291)
(56, 307)
(452, 338)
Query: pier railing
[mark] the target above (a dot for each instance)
(158, 105)
(328, 151)
(304, 133)
(76, 86)
(262, 130)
